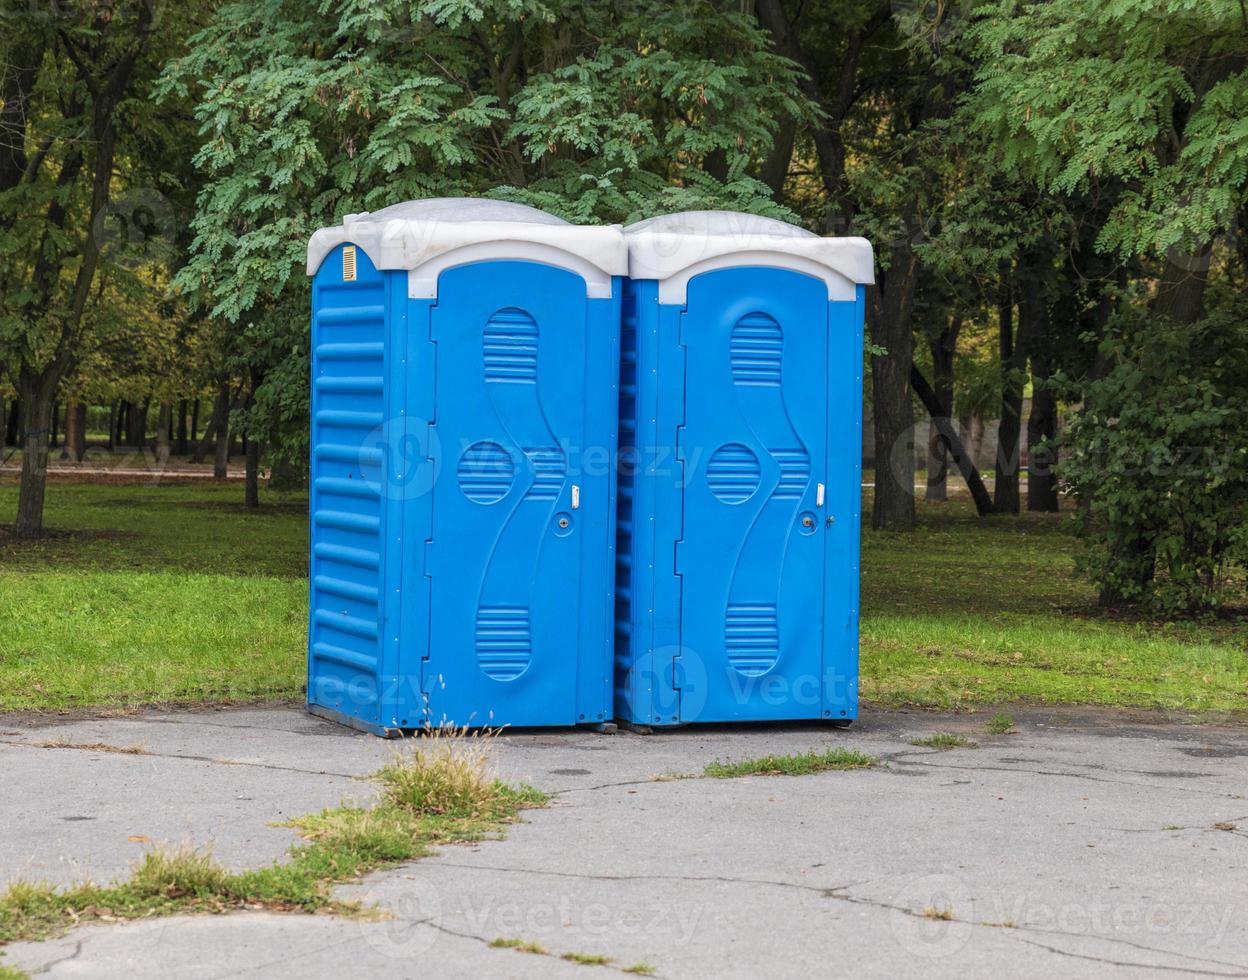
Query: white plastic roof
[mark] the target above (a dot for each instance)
(673, 248)
(428, 236)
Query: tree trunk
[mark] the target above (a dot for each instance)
(12, 428)
(164, 420)
(834, 99)
(949, 436)
(137, 435)
(112, 426)
(75, 432)
(56, 417)
(181, 444)
(942, 347)
(123, 423)
(1041, 427)
(890, 397)
(1181, 293)
(221, 425)
(194, 420)
(37, 405)
(251, 491)
(774, 170)
(207, 442)
(1006, 495)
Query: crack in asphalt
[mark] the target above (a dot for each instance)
(1141, 966)
(285, 959)
(647, 781)
(188, 758)
(903, 759)
(330, 732)
(47, 967)
(488, 943)
(837, 892)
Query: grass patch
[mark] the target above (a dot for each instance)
(12, 973)
(152, 594)
(338, 845)
(642, 969)
(520, 945)
(63, 743)
(790, 765)
(968, 611)
(941, 913)
(1000, 724)
(586, 959)
(944, 740)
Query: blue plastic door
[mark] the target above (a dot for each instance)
(505, 555)
(754, 456)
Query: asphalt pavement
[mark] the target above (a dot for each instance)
(1085, 844)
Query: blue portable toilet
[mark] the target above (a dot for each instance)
(740, 471)
(465, 362)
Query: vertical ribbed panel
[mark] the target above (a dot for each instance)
(348, 368)
(504, 643)
(626, 481)
(510, 346)
(752, 637)
(755, 350)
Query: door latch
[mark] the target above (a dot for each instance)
(576, 496)
(819, 489)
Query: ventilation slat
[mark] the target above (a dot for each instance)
(503, 641)
(752, 637)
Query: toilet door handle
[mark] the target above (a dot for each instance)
(819, 489)
(576, 496)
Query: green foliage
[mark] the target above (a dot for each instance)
(1147, 95)
(1158, 461)
(595, 111)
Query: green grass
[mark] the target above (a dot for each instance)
(520, 945)
(586, 959)
(339, 844)
(944, 740)
(172, 593)
(970, 611)
(999, 724)
(641, 969)
(790, 765)
(147, 594)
